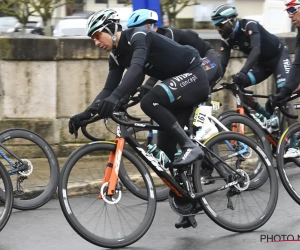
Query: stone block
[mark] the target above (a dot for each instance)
(28, 89)
(18, 46)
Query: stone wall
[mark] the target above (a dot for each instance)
(46, 80)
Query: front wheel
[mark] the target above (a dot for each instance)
(237, 207)
(106, 221)
(288, 170)
(6, 199)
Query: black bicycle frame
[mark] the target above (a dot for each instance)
(158, 168)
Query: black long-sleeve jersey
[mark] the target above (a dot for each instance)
(141, 52)
(253, 40)
(293, 78)
(186, 37)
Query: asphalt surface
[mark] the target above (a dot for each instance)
(46, 228)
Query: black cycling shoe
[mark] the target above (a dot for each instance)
(188, 156)
(191, 152)
(186, 221)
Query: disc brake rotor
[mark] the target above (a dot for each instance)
(29, 169)
(110, 199)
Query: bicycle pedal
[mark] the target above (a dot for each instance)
(186, 222)
(192, 221)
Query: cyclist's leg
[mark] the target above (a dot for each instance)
(165, 141)
(177, 92)
(211, 64)
(280, 74)
(256, 75)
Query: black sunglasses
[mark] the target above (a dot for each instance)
(292, 10)
(221, 24)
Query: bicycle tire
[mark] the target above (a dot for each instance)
(259, 176)
(162, 192)
(283, 126)
(226, 113)
(39, 154)
(6, 197)
(286, 172)
(67, 199)
(212, 204)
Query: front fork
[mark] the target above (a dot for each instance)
(113, 167)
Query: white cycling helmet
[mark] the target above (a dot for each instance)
(291, 3)
(99, 21)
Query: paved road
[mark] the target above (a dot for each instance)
(47, 229)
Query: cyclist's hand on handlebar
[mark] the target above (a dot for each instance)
(122, 105)
(239, 78)
(274, 100)
(75, 120)
(107, 106)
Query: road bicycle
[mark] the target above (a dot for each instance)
(149, 136)
(106, 210)
(6, 199)
(32, 166)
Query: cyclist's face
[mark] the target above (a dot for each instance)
(294, 14)
(148, 26)
(224, 29)
(103, 40)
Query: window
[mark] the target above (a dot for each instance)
(101, 1)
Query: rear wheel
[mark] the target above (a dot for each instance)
(37, 183)
(238, 207)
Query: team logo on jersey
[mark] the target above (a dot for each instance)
(182, 77)
(246, 44)
(250, 32)
(173, 85)
(287, 65)
(191, 79)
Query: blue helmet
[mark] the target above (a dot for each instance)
(141, 17)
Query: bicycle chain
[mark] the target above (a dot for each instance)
(172, 205)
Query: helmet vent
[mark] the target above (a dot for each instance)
(137, 17)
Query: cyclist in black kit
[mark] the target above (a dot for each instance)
(293, 79)
(141, 51)
(210, 60)
(267, 55)
(210, 63)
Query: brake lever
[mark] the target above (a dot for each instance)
(75, 132)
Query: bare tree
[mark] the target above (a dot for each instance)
(127, 2)
(45, 8)
(17, 8)
(173, 7)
